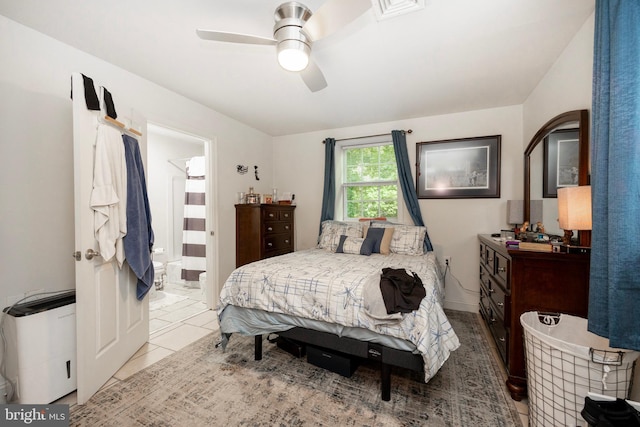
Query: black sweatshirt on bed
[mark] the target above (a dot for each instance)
(401, 292)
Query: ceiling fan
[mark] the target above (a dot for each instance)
(295, 30)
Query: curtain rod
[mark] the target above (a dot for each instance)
(370, 136)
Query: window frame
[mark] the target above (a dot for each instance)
(341, 198)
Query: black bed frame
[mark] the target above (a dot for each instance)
(387, 356)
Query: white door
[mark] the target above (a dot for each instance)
(111, 323)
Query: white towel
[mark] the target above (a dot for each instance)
(195, 166)
(109, 195)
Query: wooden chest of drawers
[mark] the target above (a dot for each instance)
(516, 281)
(263, 231)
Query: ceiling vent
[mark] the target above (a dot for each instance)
(386, 9)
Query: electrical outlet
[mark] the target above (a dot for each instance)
(447, 261)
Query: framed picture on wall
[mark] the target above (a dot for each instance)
(458, 168)
(561, 161)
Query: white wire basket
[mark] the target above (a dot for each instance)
(564, 362)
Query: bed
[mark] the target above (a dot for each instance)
(330, 297)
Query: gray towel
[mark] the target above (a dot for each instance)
(138, 242)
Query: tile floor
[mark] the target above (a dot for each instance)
(173, 337)
(172, 304)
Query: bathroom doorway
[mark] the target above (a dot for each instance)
(178, 171)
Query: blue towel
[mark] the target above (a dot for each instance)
(138, 242)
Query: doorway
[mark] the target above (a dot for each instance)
(175, 161)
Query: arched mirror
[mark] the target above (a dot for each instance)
(551, 160)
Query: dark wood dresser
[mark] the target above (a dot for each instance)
(263, 231)
(516, 281)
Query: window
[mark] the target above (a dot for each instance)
(369, 181)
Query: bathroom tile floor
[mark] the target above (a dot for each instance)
(172, 304)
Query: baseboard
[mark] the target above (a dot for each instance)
(461, 306)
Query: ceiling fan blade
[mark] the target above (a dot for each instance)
(313, 77)
(222, 36)
(333, 15)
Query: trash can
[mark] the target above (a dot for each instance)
(564, 362)
(41, 348)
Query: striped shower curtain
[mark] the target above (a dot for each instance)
(193, 236)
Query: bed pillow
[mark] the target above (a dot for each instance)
(353, 245)
(367, 221)
(385, 244)
(332, 230)
(406, 239)
(379, 239)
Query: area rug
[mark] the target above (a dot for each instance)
(203, 386)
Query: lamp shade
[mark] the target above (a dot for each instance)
(515, 211)
(535, 211)
(574, 207)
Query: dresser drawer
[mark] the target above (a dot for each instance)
(496, 327)
(497, 296)
(275, 214)
(485, 303)
(483, 254)
(278, 242)
(493, 292)
(271, 227)
(285, 215)
(501, 272)
(488, 260)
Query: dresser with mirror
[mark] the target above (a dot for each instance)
(514, 281)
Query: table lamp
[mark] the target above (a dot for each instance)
(574, 211)
(515, 212)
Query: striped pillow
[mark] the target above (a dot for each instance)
(406, 239)
(332, 230)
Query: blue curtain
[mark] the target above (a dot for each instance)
(406, 182)
(329, 193)
(615, 257)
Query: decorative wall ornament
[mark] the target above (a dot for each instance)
(255, 171)
(242, 169)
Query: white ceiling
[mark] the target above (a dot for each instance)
(451, 56)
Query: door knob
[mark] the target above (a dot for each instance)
(90, 254)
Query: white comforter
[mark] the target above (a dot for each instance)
(336, 288)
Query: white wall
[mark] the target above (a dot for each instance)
(453, 224)
(566, 86)
(36, 213)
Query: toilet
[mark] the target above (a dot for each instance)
(159, 275)
(159, 268)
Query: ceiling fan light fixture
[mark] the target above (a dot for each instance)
(293, 55)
